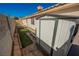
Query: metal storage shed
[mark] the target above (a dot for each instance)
(54, 33)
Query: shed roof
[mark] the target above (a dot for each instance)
(58, 16)
(55, 9)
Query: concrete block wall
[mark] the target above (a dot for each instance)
(5, 37)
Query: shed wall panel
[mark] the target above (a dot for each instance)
(47, 28)
(64, 31)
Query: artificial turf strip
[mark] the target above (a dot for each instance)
(25, 40)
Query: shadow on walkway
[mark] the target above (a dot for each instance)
(74, 51)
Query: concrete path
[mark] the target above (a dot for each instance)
(16, 50)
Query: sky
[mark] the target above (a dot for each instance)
(21, 9)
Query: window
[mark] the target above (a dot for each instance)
(32, 21)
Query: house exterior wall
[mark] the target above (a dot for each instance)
(24, 21)
(37, 27)
(30, 25)
(19, 21)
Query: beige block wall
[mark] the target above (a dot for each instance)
(5, 37)
(6, 45)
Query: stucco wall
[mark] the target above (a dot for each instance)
(24, 22)
(29, 24)
(37, 28)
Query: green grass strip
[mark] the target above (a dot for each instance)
(25, 40)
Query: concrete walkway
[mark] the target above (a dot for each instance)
(32, 50)
(16, 48)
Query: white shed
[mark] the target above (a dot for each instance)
(54, 33)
